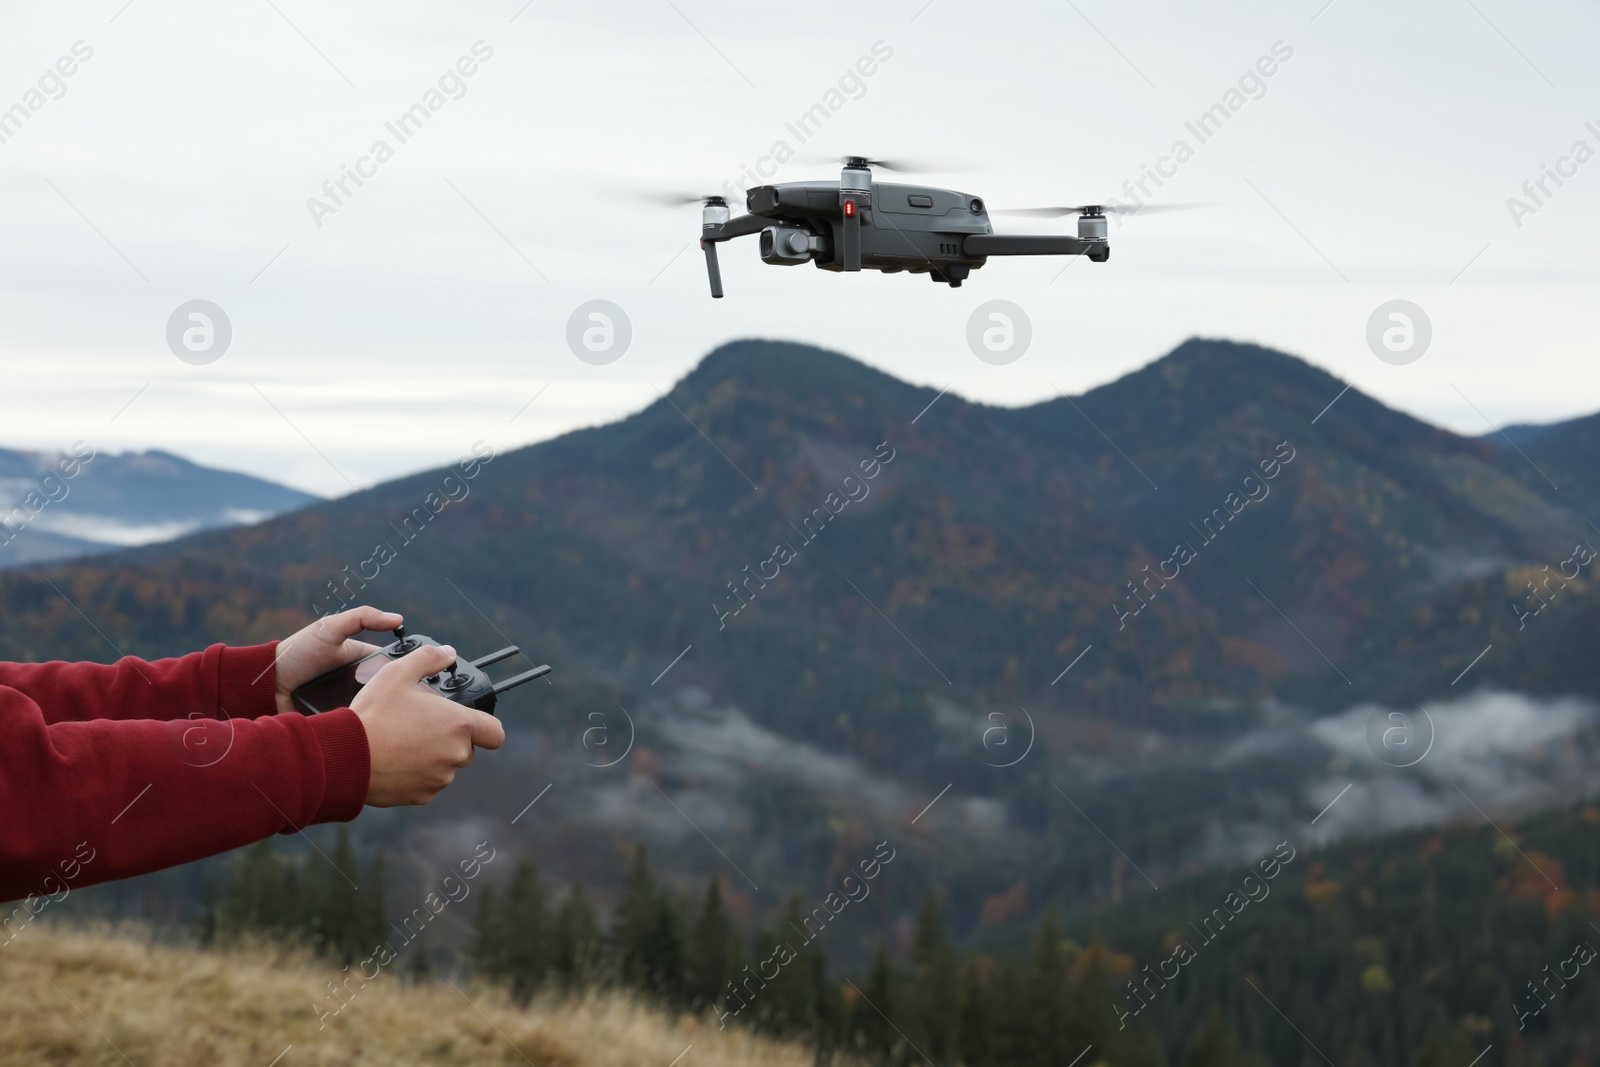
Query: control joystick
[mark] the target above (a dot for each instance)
(462, 682)
(455, 679)
(402, 643)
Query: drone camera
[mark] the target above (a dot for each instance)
(1092, 227)
(787, 245)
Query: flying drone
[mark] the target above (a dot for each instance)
(858, 224)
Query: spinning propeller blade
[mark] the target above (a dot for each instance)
(673, 197)
(1091, 209)
(898, 164)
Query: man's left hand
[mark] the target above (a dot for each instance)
(326, 645)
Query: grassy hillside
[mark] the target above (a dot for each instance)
(75, 997)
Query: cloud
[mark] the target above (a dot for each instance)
(1492, 749)
(726, 746)
(1503, 752)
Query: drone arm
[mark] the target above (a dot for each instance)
(739, 227)
(725, 231)
(1003, 244)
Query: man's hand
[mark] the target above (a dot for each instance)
(326, 645)
(417, 738)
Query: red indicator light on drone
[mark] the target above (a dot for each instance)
(849, 209)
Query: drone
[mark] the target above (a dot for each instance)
(859, 224)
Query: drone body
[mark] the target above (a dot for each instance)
(858, 224)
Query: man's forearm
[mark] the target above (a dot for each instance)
(236, 683)
(145, 795)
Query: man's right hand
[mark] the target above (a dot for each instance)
(417, 738)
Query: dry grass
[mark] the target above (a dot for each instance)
(96, 997)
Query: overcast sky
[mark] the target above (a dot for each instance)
(430, 305)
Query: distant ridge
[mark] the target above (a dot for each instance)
(110, 501)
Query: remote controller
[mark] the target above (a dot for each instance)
(464, 683)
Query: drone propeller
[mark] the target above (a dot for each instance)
(683, 199)
(714, 214)
(1095, 209)
(899, 164)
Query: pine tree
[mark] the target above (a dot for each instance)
(1444, 1046)
(871, 1034)
(575, 941)
(290, 910)
(489, 942)
(646, 937)
(1091, 1019)
(1047, 987)
(710, 952)
(208, 916)
(374, 892)
(1012, 1034)
(344, 924)
(666, 950)
(630, 931)
(977, 1016)
(933, 999)
(253, 902)
(524, 931)
(734, 999)
(1431, 1053)
(1213, 1045)
(828, 1018)
(786, 1003)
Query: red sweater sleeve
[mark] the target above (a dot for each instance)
(91, 794)
(220, 682)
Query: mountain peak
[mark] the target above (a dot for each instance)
(1204, 364)
(767, 364)
(1210, 363)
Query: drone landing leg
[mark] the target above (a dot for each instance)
(712, 269)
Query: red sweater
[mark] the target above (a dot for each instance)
(112, 771)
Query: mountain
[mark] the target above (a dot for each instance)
(1058, 652)
(1518, 433)
(1565, 453)
(1556, 458)
(82, 503)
